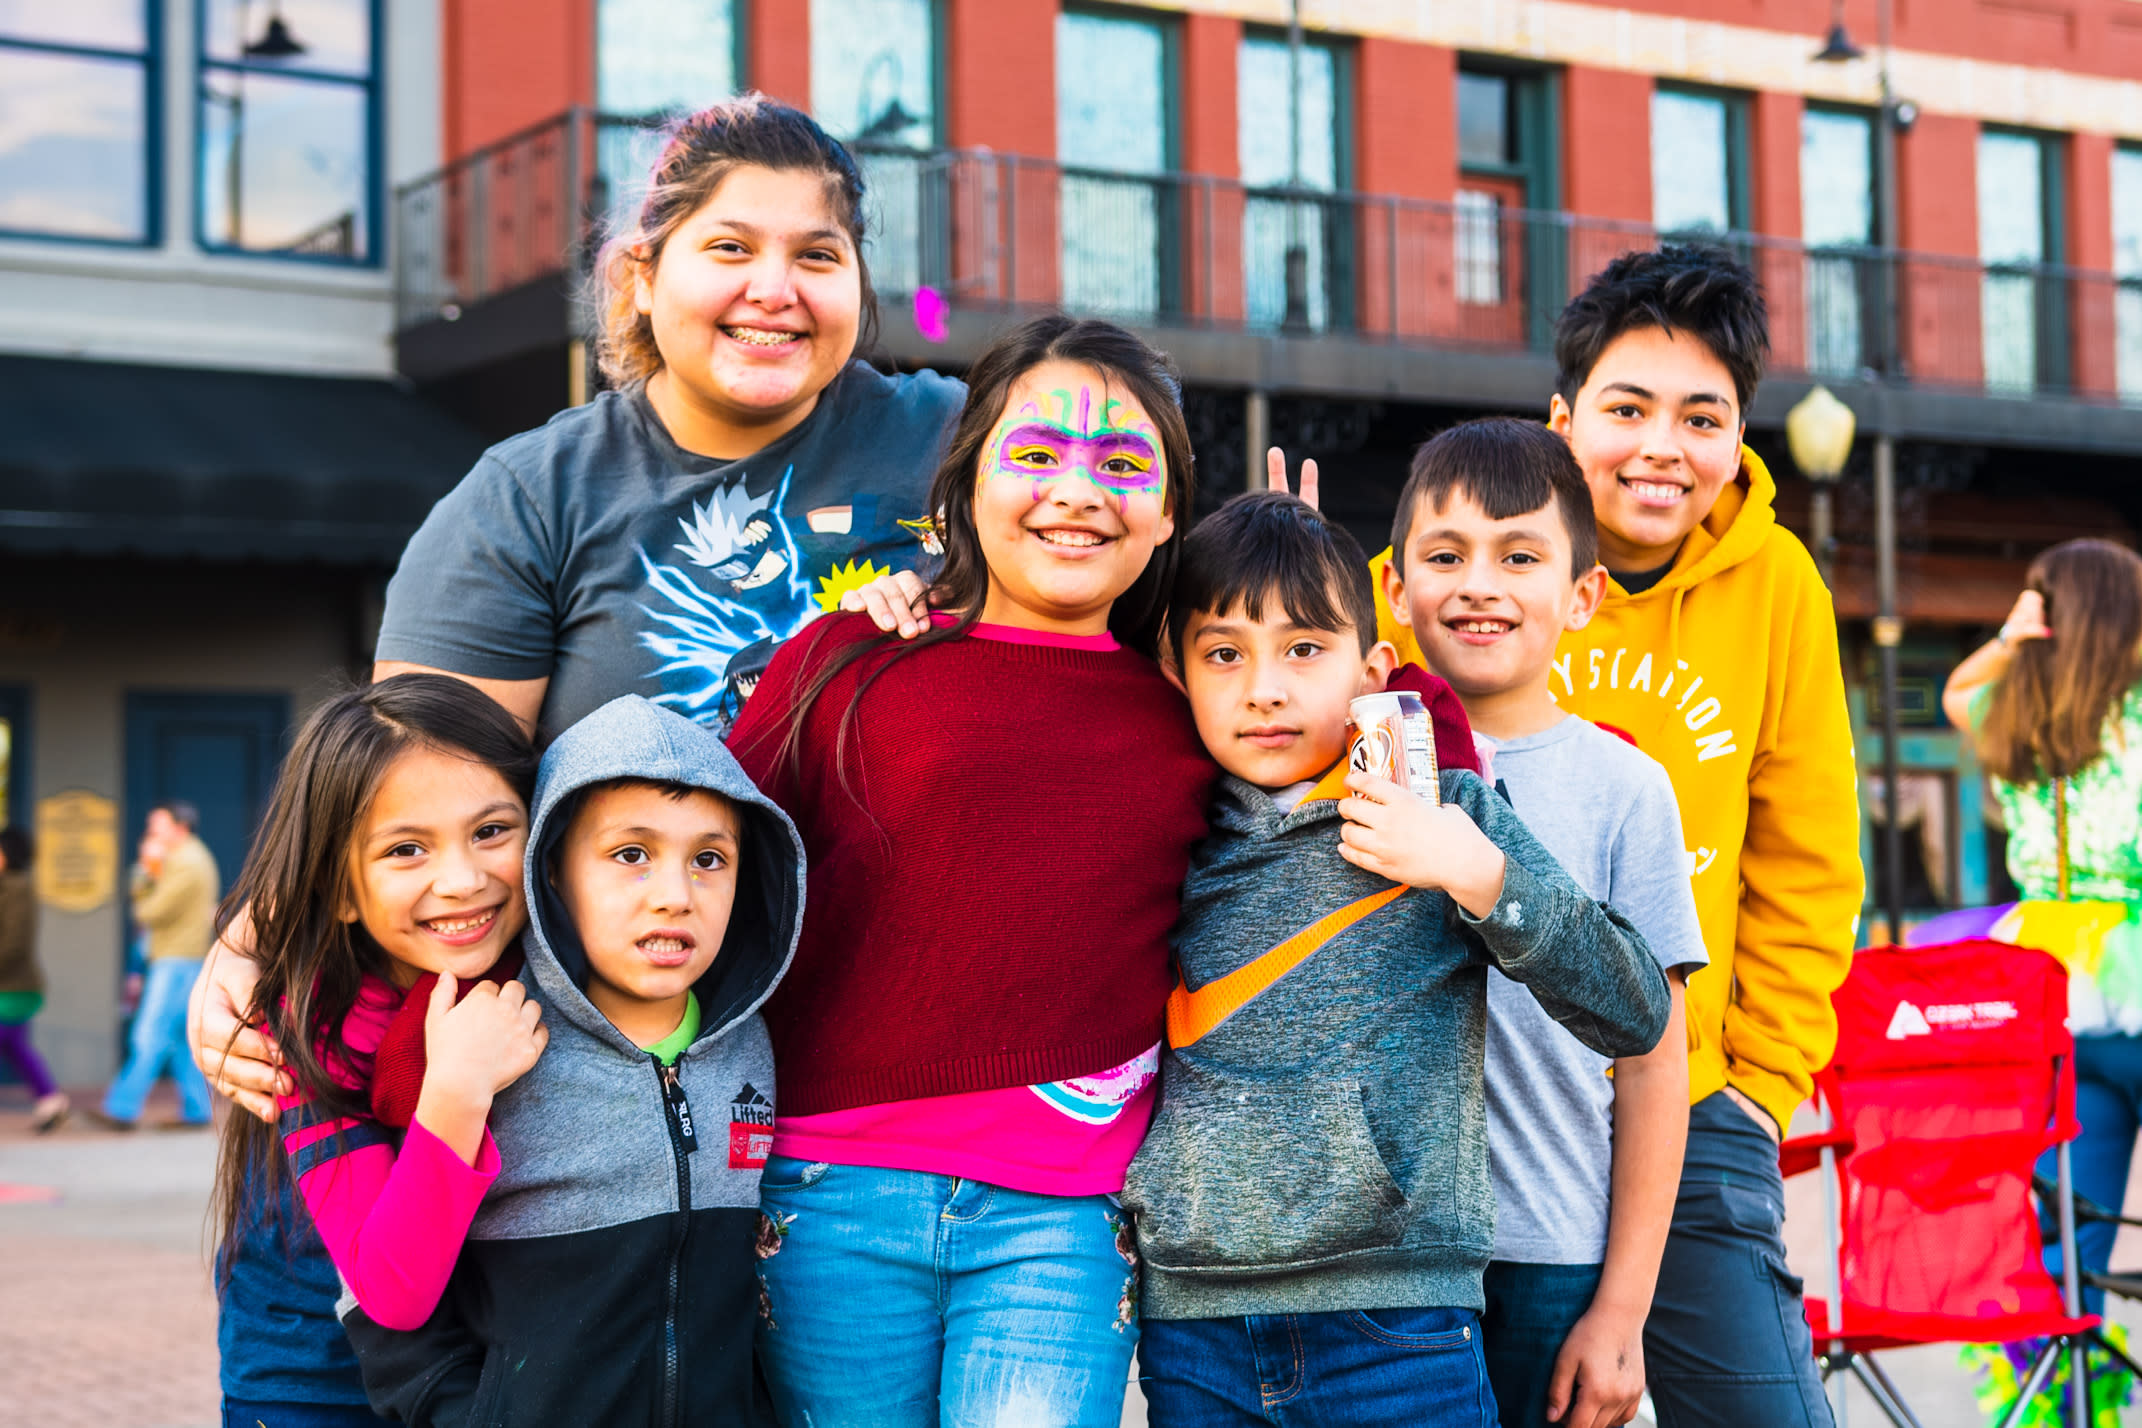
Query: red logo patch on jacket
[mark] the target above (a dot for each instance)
(750, 1129)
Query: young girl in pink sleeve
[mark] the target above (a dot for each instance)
(386, 904)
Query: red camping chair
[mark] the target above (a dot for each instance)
(1954, 1072)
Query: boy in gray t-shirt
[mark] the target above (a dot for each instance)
(1493, 555)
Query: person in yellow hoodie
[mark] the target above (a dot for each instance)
(1715, 652)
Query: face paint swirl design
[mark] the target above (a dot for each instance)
(1118, 452)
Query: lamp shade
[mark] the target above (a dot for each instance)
(1819, 429)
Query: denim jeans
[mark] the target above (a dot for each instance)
(898, 1299)
(1727, 1344)
(2108, 1102)
(240, 1414)
(1357, 1368)
(1530, 1310)
(159, 1044)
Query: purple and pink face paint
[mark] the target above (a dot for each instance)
(1120, 455)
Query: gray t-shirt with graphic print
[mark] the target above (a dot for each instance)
(1607, 813)
(597, 552)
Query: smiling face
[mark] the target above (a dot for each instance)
(1269, 696)
(1656, 427)
(649, 880)
(1070, 500)
(435, 872)
(1487, 601)
(755, 301)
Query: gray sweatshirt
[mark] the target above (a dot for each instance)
(1325, 1148)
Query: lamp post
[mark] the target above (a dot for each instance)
(275, 43)
(1819, 429)
(1888, 624)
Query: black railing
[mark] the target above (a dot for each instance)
(1004, 232)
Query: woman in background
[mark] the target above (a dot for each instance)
(2055, 702)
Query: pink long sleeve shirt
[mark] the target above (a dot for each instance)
(393, 1221)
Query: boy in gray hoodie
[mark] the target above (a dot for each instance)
(1313, 1201)
(611, 1274)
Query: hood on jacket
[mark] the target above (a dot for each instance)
(632, 738)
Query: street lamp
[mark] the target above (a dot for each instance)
(1888, 625)
(275, 43)
(1819, 429)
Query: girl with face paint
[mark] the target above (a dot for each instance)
(999, 815)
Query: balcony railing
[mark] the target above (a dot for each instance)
(1003, 233)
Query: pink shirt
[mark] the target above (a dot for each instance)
(1072, 1137)
(393, 1223)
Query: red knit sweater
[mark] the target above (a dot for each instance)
(1005, 922)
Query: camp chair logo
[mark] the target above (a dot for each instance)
(1910, 1021)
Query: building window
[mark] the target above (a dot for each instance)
(1313, 231)
(2018, 210)
(664, 56)
(288, 119)
(77, 100)
(2127, 265)
(1504, 274)
(1837, 224)
(1698, 162)
(874, 85)
(1115, 134)
(655, 58)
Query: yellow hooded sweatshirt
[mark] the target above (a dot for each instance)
(1727, 673)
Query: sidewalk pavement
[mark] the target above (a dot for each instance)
(107, 1313)
(108, 1316)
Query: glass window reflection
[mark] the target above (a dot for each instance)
(662, 56)
(286, 125)
(335, 36)
(1691, 184)
(1111, 114)
(873, 70)
(1261, 103)
(2011, 232)
(1484, 120)
(74, 122)
(2127, 265)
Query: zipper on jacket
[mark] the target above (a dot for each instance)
(683, 1141)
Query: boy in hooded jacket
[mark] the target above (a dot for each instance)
(1715, 652)
(611, 1273)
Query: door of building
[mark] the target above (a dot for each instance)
(215, 751)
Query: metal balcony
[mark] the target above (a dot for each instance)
(1391, 298)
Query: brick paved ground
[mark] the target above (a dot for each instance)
(107, 1319)
(107, 1315)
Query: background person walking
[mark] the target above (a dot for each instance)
(174, 890)
(22, 984)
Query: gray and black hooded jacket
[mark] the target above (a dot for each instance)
(1325, 1147)
(610, 1276)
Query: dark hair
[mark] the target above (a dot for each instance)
(573, 804)
(1694, 288)
(1268, 546)
(701, 151)
(2048, 713)
(297, 880)
(1508, 468)
(182, 813)
(1138, 614)
(18, 847)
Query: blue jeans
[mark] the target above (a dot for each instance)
(241, 1414)
(1351, 1367)
(897, 1299)
(159, 1043)
(1727, 1343)
(1530, 1310)
(2108, 1102)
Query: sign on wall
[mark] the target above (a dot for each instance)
(77, 850)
